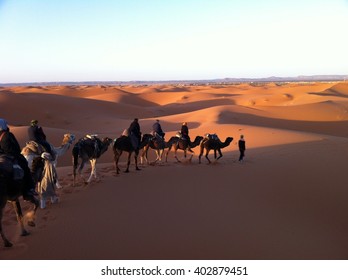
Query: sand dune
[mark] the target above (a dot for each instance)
(340, 90)
(286, 201)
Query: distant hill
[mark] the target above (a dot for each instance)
(313, 78)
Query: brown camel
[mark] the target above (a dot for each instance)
(182, 144)
(124, 144)
(213, 144)
(156, 143)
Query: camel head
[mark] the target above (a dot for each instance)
(198, 139)
(107, 141)
(228, 141)
(68, 139)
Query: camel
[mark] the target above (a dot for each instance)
(33, 150)
(213, 144)
(124, 144)
(88, 149)
(10, 190)
(156, 143)
(182, 144)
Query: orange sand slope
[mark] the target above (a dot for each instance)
(286, 201)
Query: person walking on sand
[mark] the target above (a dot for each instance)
(241, 146)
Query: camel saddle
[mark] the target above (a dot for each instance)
(33, 147)
(211, 136)
(92, 140)
(156, 136)
(180, 136)
(92, 136)
(9, 165)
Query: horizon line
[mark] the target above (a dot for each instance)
(299, 78)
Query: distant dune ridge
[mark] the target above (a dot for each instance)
(288, 200)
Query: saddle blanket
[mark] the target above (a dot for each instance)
(8, 165)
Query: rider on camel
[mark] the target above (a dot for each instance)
(158, 129)
(9, 146)
(135, 133)
(36, 134)
(185, 132)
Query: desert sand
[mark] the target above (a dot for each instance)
(287, 200)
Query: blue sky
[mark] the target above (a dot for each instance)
(104, 40)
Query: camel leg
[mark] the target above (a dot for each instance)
(79, 171)
(192, 153)
(7, 243)
(116, 159)
(144, 156)
(19, 215)
(220, 155)
(191, 158)
(128, 162)
(159, 155)
(93, 170)
(206, 156)
(74, 175)
(36, 202)
(136, 160)
(175, 150)
(169, 148)
(200, 154)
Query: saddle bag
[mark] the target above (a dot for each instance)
(6, 163)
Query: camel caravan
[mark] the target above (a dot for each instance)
(41, 161)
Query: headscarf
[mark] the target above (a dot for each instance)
(3, 125)
(34, 122)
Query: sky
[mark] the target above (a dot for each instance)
(118, 40)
